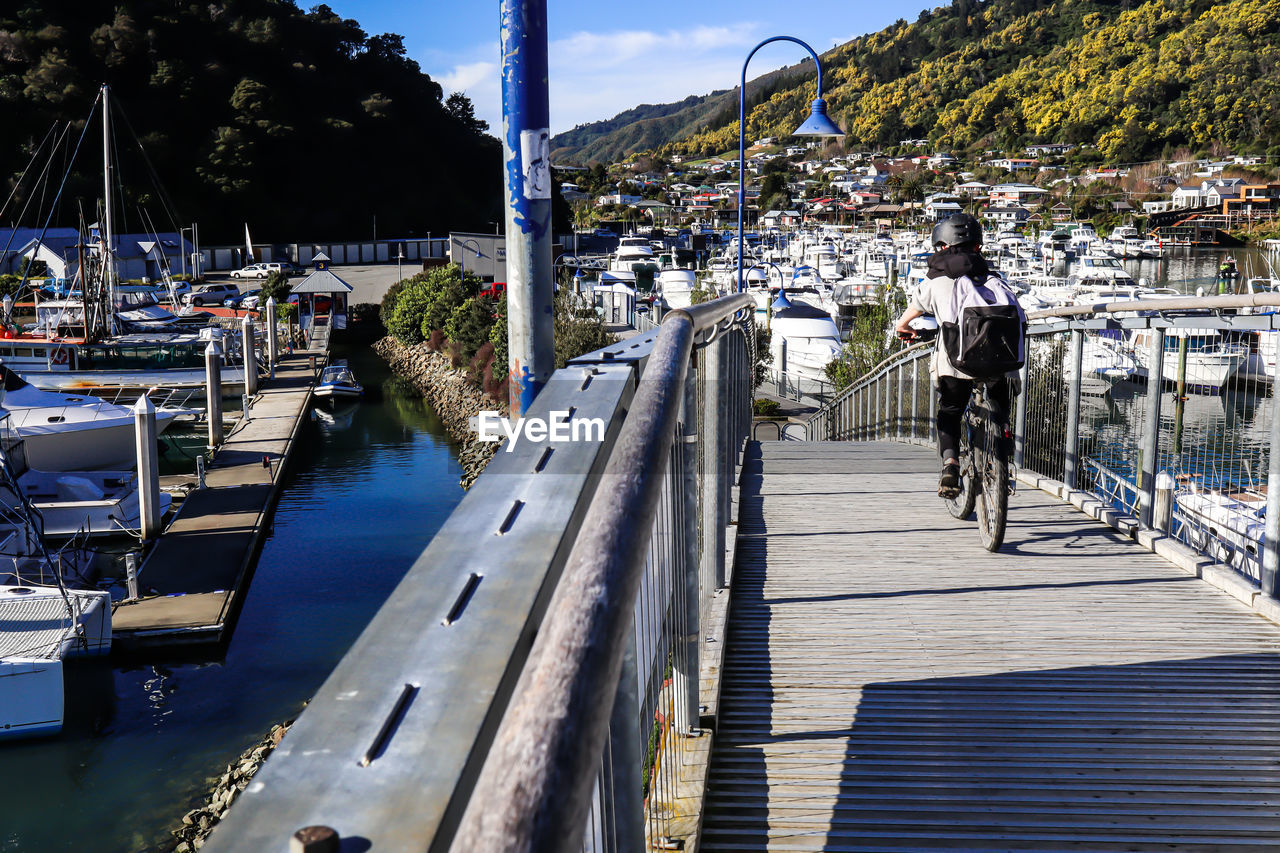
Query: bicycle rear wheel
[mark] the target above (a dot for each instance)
(961, 506)
(993, 498)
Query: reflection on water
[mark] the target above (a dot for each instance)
(143, 740)
(1214, 438)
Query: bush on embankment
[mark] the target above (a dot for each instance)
(448, 312)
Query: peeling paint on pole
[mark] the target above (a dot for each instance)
(527, 167)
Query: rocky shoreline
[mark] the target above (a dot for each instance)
(452, 397)
(199, 822)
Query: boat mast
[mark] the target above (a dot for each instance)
(108, 252)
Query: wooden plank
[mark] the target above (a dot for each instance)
(890, 685)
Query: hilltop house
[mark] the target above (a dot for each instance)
(1016, 194)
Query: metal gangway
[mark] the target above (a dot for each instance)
(667, 635)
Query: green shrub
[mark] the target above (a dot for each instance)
(577, 335)
(498, 336)
(765, 408)
(405, 322)
(469, 324)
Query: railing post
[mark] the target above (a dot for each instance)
(726, 465)
(713, 441)
(1151, 429)
(1271, 533)
(874, 421)
(915, 396)
(626, 759)
(1020, 427)
(932, 430)
(1070, 464)
(902, 375)
(687, 662)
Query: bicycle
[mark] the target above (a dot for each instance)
(985, 481)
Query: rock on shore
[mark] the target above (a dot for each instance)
(199, 822)
(452, 397)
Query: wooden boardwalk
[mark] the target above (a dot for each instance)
(194, 571)
(889, 685)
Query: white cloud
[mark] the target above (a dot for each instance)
(465, 77)
(596, 75)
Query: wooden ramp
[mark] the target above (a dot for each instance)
(889, 685)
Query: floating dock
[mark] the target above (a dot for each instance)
(193, 579)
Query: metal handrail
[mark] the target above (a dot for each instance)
(534, 793)
(1173, 303)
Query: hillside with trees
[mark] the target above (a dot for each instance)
(247, 110)
(1136, 80)
(650, 126)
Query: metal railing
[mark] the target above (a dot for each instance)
(1188, 454)
(533, 681)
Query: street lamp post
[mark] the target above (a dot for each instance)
(462, 256)
(399, 262)
(818, 124)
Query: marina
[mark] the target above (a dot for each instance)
(144, 731)
(195, 575)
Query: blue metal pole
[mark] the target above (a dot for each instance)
(742, 135)
(526, 156)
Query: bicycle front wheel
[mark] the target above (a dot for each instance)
(961, 506)
(993, 497)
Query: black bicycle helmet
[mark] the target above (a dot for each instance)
(957, 229)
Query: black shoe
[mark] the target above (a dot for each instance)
(949, 482)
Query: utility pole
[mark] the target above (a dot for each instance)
(527, 168)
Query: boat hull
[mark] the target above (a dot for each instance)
(103, 444)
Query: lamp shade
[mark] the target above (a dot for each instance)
(818, 123)
(782, 302)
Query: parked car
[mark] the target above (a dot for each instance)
(248, 299)
(210, 294)
(262, 270)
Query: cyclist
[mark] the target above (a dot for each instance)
(956, 240)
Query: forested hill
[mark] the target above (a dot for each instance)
(299, 123)
(649, 126)
(1137, 79)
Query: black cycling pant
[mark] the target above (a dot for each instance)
(953, 396)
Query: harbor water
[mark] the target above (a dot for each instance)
(368, 488)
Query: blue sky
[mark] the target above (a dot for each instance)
(608, 56)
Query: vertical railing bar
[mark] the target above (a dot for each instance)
(1271, 534)
(1151, 428)
(915, 398)
(1020, 427)
(627, 757)
(1071, 462)
(687, 681)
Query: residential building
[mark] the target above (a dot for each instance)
(1006, 215)
(1016, 194)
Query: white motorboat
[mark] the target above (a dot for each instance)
(676, 287)
(1104, 363)
(805, 340)
(43, 618)
(1099, 270)
(39, 627)
(65, 432)
(1212, 361)
(1227, 525)
(337, 382)
(88, 503)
